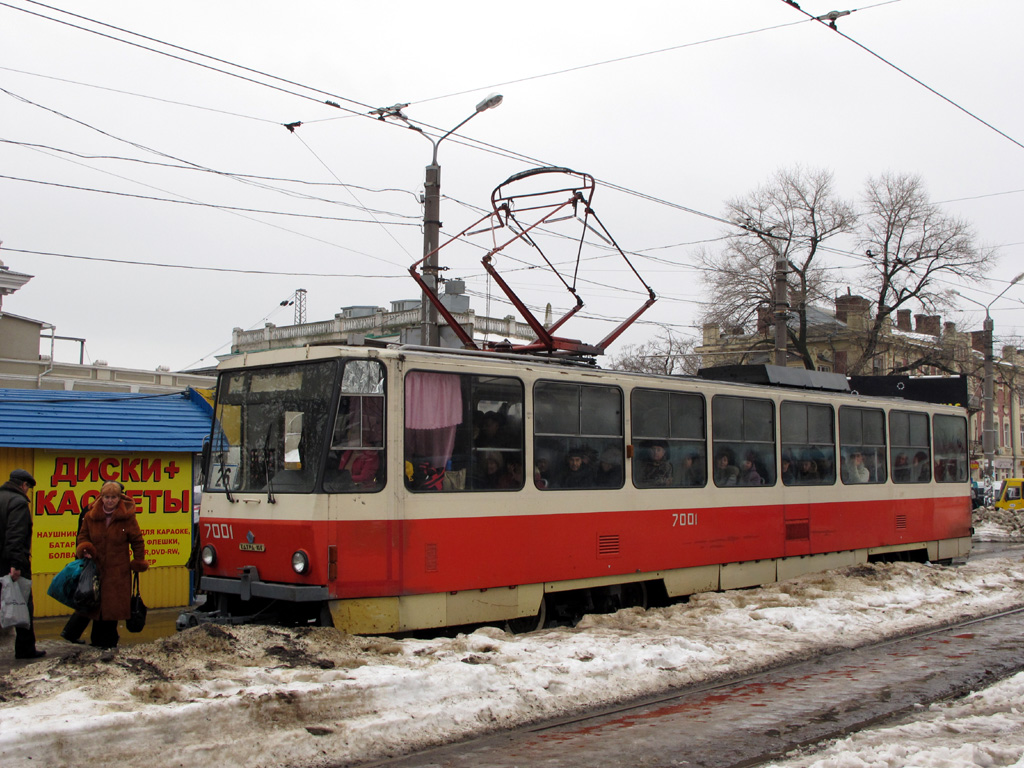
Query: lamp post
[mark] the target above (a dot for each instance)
(988, 430)
(432, 225)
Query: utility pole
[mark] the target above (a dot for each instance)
(988, 429)
(988, 426)
(429, 334)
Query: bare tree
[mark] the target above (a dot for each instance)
(789, 218)
(911, 246)
(666, 354)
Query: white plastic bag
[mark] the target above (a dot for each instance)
(14, 602)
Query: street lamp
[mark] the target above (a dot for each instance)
(432, 225)
(988, 431)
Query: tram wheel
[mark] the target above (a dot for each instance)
(529, 623)
(634, 595)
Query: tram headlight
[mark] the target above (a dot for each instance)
(300, 562)
(209, 555)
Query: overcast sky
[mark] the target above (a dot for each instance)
(683, 104)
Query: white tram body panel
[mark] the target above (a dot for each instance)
(360, 481)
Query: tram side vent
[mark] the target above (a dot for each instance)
(430, 558)
(901, 522)
(607, 545)
(798, 531)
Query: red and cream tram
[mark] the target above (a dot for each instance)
(393, 489)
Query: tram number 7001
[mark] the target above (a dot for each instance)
(218, 531)
(683, 518)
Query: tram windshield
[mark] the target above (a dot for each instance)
(270, 428)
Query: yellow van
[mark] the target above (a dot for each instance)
(1010, 491)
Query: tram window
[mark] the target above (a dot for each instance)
(668, 430)
(862, 445)
(270, 428)
(950, 448)
(355, 460)
(578, 441)
(463, 432)
(909, 447)
(808, 444)
(743, 434)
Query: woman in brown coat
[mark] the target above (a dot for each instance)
(109, 529)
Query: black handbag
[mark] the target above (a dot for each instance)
(87, 592)
(137, 619)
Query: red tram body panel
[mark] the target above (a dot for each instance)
(370, 489)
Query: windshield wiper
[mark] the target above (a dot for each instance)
(266, 466)
(224, 477)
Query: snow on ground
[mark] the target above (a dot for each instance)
(993, 524)
(985, 728)
(261, 696)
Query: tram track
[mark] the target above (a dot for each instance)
(758, 717)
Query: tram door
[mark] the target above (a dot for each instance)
(808, 461)
(365, 531)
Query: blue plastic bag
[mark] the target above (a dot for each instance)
(62, 588)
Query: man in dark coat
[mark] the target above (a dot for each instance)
(16, 549)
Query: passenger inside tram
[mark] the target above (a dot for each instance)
(656, 469)
(577, 473)
(609, 469)
(856, 471)
(901, 469)
(692, 470)
(748, 472)
(807, 471)
(726, 472)
(542, 472)
(788, 473)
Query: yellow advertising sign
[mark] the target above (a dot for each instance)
(160, 485)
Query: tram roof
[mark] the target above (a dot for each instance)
(104, 421)
(778, 376)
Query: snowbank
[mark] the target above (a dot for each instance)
(259, 696)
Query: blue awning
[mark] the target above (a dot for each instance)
(104, 421)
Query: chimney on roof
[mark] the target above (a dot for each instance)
(903, 320)
(979, 341)
(711, 333)
(930, 325)
(765, 319)
(853, 310)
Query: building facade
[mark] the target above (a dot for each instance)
(400, 324)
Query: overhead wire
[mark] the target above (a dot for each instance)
(141, 95)
(285, 229)
(905, 73)
(200, 268)
(201, 169)
(617, 60)
(330, 171)
(189, 51)
(471, 142)
(455, 139)
(187, 164)
(207, 205)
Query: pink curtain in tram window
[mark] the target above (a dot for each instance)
(433, 409)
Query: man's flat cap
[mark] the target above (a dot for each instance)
(23, 476)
